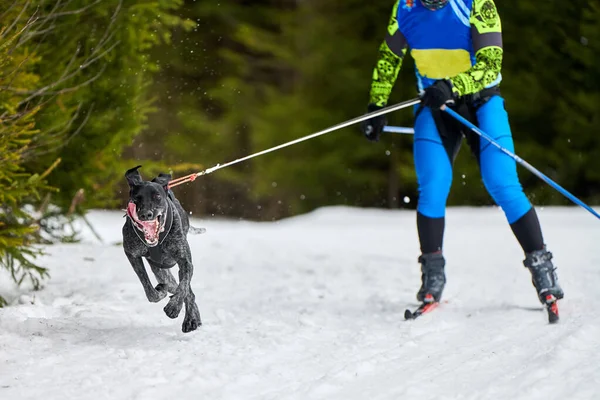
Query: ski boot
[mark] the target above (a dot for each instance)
(545, 280)
(433, 281)
(433, 278)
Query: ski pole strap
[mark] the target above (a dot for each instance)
(399, 106)
(521, 161)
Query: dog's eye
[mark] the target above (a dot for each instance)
(157, 196)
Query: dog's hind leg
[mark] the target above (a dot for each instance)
(154, 295)
(164, 276)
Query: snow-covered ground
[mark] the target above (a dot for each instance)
(312, 308)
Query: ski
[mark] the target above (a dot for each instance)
(427, 306)
(552, 309)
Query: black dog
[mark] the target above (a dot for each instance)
(156, 228)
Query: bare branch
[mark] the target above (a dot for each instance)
(8, 9)
(17, 35)
(112, 21)
(54, 15)
(28, 110)
(7, 117)
(60, 130)
(61, 143)
(38, 32)
(46, 89)
(29, 23)
(14, 71)
(15, 21)
(25, 38)
(71, 70)
(62, 91)
(105, 52)
(51, 137)
(72, 12)
(71, 61)
(58, 136)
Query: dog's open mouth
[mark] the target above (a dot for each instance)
(151, 228)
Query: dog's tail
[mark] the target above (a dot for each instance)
(197, 231)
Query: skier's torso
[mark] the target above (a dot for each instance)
(440, 41)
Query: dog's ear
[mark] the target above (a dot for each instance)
(163, 180)
(133, 176)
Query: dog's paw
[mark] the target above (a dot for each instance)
(191, 322)
(174, 306)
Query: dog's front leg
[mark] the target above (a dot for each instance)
(186, 269)
(154, 295)
(192, 320)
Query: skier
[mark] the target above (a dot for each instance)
(457, 49)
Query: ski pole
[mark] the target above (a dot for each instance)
(399, 106)
(521, 161)
(399, 129)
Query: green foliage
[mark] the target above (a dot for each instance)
(74, 91)
(18, 227)
(97, 64)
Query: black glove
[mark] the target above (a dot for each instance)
(373, 127)
(438, 94)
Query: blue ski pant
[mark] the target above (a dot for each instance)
(434, 155)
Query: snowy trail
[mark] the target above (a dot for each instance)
(312, 308)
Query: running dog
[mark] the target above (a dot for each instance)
(156, 229)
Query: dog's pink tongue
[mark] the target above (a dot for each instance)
(132, 210)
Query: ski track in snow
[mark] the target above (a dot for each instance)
(312, 308)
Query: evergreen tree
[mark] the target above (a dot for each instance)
(97, 72)
(18, 225)
(74, 78)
